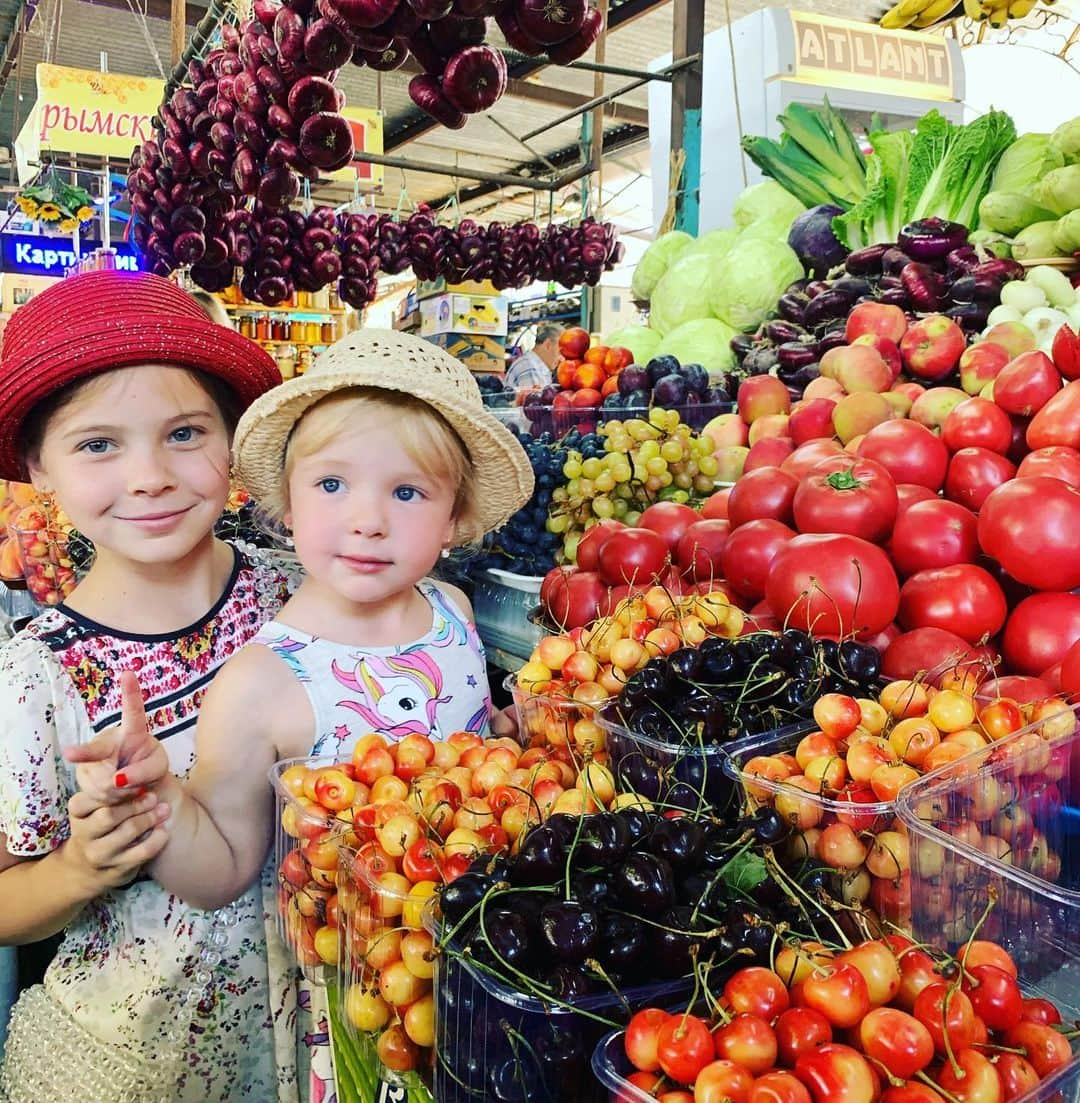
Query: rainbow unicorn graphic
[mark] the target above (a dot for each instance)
(398, 695)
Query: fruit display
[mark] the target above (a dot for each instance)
(589, 919)
(34, 544)
(881, 1019)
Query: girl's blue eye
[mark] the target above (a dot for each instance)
(330, 485)
(185, 434)
(95, 447)
(407, 493)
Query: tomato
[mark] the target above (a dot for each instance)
(1026, 384)
(700, 551)
(908, 494)
(1029, 526)
(642, 1038)
(1017, 1076)
(757, 991)
(588, 549)
(749, 553)
(1046, 1049)
(684, 1047)
(1055, 463)
(995, 996)
(936, 533)
(668, 520)
(973, 1080)
(897, 1040)
(765, 492)
(633, 556)
(908, 451)
(942, 1009)
(837, 1074)
(1021, 688)
(749, 1041)
(977, 423)
(839, 992)
(845, 496)
(1040, 632)
(723, 1082)
(1066, 352)
(832, 585)
(807, 456)
(799, 1030)
(930, 650)
(973, 474)
(1058, 422)
(777, 1087)
(574, 598)
(963, 599)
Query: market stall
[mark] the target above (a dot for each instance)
(790, 623)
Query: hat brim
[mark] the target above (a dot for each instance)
(502, 477)
(83, 352)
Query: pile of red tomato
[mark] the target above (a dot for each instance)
(881, 1021)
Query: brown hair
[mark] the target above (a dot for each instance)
(36, 423)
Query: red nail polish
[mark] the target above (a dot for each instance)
(120, 781)
(142, 792)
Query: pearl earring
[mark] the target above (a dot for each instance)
(445, 553)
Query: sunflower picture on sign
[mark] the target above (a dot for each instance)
(55, 202)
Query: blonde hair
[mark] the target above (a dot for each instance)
(429, 439)
(213, 308)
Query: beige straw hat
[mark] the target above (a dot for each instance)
(393, 361)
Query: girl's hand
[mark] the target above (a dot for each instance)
(110, 843)
(125, 759)
(504, 722)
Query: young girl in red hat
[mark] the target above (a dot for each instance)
(118, 397)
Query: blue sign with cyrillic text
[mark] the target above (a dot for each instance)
(34, 255)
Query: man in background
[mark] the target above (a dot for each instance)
(535, 368)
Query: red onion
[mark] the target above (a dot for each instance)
(430, 10)
(311, 95)
(326, 141)
(474, 78)
(550, 21)
(451, 35)
(326, 47)
(265, 12)
(426, 93)
(579, 42)
(366, 13)
(393, 57)
(423, 49)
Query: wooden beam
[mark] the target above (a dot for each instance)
(177, 29)
(156, 9)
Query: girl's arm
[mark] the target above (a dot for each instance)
(221, 820)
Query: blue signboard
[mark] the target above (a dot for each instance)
(35, 255)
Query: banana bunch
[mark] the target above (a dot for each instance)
(921, 14)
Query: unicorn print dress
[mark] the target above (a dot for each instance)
(434, 686)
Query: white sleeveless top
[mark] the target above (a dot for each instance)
(434, 686)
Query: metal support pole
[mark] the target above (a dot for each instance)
(550, 185)
(618, 70)
(688, 40)
(588, 121)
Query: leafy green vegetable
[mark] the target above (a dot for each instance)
(749, 281)
(640, 340)
(683, 293)
(704, 341)
(1059, 191)
(951, 166)
(1067, 233)
(1066, 140)
(1035, 242)
(1025, 163)
(817, 158)
(767, 199)
(879, 215)
(656, 260)
(745, 872)
(1010, 212)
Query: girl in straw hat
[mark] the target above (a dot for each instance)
(119, 397)
(378, 460)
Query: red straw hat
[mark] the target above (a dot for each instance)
(93, 323)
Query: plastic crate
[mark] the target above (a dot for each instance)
(560, 420)
(502, 602)
(485, 1030)
(544, 720)
(1003, 821)
(306, 846)
(376, 919)
(890, 897)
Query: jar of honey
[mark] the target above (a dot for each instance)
(262, 327)
(328, 332)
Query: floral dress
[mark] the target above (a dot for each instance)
(147, 999)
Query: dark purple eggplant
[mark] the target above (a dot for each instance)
(760, 361)
(817, 287)
(931, 238)
(969, 316)
(779, 331)
(893, 261)
(741, 344)
(796, 354)
(971, 289)
(895, 296)
(855, 286)
(866, 262)
(887, 282)
(792, 306)
(921, 283)
(827, 306)
(834, 338)
(961, 262)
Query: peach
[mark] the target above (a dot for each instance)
(1013, 337)
(760, 395)
(823, 387)
(878, 319)
(726, 429)
(856, 368)
(980, 365)
(771, 425)
(859, 413)
(932, 408)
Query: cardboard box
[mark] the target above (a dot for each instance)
(453, 313)
(478, 352)
(426, 289)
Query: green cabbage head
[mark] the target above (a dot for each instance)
(704, 341)
(640, 340)
(750, 281)
(655, 261)
(683, 293)
(766, 198)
